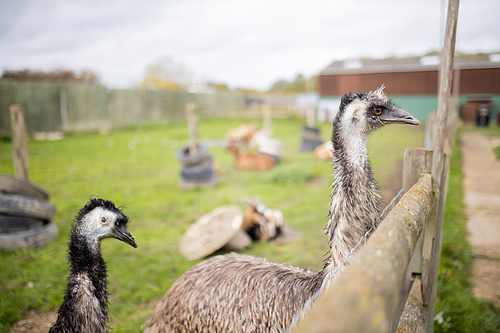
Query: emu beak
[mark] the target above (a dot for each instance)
(398, 116)
(124, 235)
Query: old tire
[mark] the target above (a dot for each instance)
(197, 173)
(9, 223)
(310, 145)
(186, 158)
(13, 204)
(34, 238)
(11, 185)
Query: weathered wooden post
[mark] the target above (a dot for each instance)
(192, 118)
(267, 119)
(310, 134)
(417, 161)
(310, 117)
(431, 267)
(19, 142)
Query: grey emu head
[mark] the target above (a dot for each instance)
(362, 113)
(100, 219)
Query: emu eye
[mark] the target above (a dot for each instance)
(377, 111)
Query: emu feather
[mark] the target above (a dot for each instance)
(240, 293)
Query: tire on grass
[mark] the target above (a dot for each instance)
(9, 223)
(13, 204)
(186, 158)
(12, 185)
(33, 238)
(197, 173)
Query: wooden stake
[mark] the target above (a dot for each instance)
(192, 114)
(310, 117)
(19, 142)
(266, 115)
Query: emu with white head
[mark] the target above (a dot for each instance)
(85, 305)
(240, 293)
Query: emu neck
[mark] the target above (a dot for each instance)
(85, 306)
(355, 198)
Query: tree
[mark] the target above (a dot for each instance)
(166, 74)
(299, 85)
(56, 75)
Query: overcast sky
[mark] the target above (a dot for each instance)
(243, 43)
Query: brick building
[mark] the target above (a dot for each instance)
(412, 82)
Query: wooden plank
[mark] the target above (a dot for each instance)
(367, 296)
(430, 267)
(416, 162)
(412, 319)
(267, 119)
(19, 142)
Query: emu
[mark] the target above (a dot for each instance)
(85, 305)
(240, 293)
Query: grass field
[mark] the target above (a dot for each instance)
(136, 168)
(456, 308)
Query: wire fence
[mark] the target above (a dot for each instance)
(331, 278)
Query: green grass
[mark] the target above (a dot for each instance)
(136, 168)
(496, 150)
(457, 309)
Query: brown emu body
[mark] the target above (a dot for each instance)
(239, 293)
(235, 293)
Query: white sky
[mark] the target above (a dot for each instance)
(243, 43)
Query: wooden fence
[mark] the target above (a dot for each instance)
(391, 283)
(51, 107)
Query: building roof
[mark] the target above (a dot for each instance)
(428, 62)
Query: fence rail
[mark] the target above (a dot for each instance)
(370, 295)
(54, 107)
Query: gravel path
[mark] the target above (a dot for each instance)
(482, 199)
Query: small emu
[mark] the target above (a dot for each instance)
(240, 293)
(85, 305)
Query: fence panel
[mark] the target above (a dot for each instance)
(41, 102)
(70, 107)
(86, 107)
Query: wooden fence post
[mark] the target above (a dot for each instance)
(267, 119)
(310, 116)
(19, 142)
(430, 267)
(192, 117)
(416, 162)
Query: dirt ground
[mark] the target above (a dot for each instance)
(35, 322)
(482, 200)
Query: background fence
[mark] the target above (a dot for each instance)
(67, 107)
